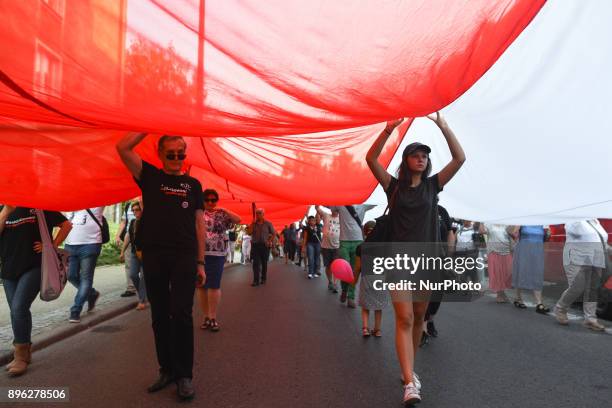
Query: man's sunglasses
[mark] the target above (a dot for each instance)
(211, 200)
(176, 156)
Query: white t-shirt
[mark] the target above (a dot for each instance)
(350, 230)
(585, 242)
(465, 241)
(498, 239)
(84, 228)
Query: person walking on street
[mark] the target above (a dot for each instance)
(499, 256)
(218, 220)
(370, 299)
(330, 244)
(413, 202)
(312, 247)
(528, 265)
(231, 248)
(467, 247)
(585, 256)
(122, 230)
(172, 237)
(262, 233)
(132, 256)
(20, 257)
(290, 243)
(84, 244)
(447, 236)
(351, 236)
(246, 246)
(300, 245)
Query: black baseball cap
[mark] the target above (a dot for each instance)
(413, 147)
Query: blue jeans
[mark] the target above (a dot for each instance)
(136, 274)
(313, 251)
(83, 260)
(20, 293)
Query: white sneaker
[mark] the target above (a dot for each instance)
(594, 325)
(416, 381)
(310, 276)
(561, 316)
(411, 395)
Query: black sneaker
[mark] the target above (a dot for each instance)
(128, 293)
(254, 284)
(424, 340)
(431, 329)
(91, 302)
(343, 296)
(74, 318)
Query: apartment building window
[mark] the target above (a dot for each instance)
(56, 5)
(47, 71)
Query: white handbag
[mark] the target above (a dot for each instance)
(54, 265)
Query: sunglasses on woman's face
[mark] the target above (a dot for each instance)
(211, 200)
(176, 156)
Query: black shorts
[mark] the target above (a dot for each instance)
(329, 254)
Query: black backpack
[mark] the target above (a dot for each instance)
(382, 229)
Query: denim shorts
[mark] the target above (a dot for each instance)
(214, 270)
(329, 254)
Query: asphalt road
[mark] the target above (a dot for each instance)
(290, 343)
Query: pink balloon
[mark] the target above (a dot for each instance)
(342, 270)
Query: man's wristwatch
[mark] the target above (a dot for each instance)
(201, 263)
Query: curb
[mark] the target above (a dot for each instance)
(63, 332)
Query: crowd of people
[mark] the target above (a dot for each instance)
(176, 240)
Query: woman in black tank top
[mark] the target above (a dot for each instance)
(414, 215)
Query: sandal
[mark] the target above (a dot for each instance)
(214, 326)
(365, 332)
(206, 324)
(520, 304)
(540, 308)
(376, 333)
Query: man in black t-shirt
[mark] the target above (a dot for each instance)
(172, 237)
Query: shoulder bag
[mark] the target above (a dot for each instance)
(54, 264)
(103, 227)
